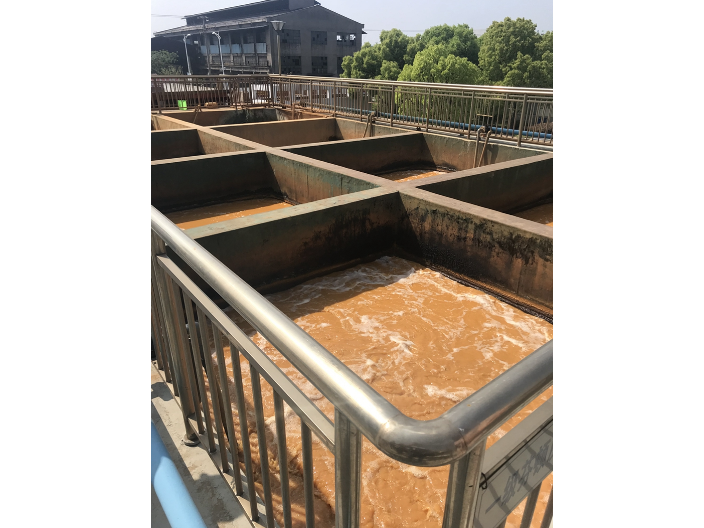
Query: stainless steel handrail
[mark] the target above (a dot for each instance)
(420, 443)
(300, 78)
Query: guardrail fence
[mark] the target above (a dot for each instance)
(517, 114)
(484, 486)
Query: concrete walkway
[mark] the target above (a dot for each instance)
(216, 501)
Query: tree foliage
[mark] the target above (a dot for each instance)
(509, 53)
(393, 46)
(165, 63)
(501, 44)
(435, 64)
(364, 64)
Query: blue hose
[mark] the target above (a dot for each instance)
(177, 504)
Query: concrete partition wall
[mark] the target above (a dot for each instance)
(510, 255)
(304, 181)
(371, 155)
(354, 129)
(225, 116)
(503, 187)
(459, 153)
(187, 183)
(180, 184)
(276, 250)
(167, 144)
(283, 133)
(163, 122)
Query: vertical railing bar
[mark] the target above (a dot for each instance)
(261, 440)
(158, 337)
(198, 364)
(547, 516)
(307, 459)
(244, 429)
(227, 407)
(463, 488)
(169, 370)
(213, 382)
(190, 438)
(529, 510)
(348, 469)
(427, 109)
(522, 120)
(155, 344)
(175, 290)
(283, 456)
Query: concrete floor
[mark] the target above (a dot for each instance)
(216, 501)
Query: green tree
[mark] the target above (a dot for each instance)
(501, 44)
(460, 40)
(389, 71)
(165, 63)
(535, 71)
(436, 64)
(364, 64)
(543, 45)
(393, 45)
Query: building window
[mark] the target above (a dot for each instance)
(291, 65)
(291, 36)
(319, 38)
(261, 47)
(320, 65)
(346, 39)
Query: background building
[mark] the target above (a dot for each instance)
(313, 41)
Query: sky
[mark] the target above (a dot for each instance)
(408, 15)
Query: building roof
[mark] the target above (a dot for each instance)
(257, 14)
(265, 6)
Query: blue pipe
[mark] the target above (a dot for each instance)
(452, 124)
(177, 504)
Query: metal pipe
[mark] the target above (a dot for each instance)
(175, 500)
(422, 443)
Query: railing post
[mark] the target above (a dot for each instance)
(393, 103)
(469, 121)
(334, 98)
(348, 472)
(463, 488)
(427, 109)
(293, 100)
(310, 96)
(190, 438)
(522, 122)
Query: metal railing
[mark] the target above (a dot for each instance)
(518, 114)
(457, 437)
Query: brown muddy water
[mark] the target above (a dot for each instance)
(541, 214)
(424, 342)
(212, 214)
(412, 174)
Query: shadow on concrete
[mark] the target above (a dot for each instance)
(215, 509)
